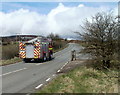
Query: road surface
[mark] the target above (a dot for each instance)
(27, 77)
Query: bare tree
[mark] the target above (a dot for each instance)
(54, 36)
(100, 36)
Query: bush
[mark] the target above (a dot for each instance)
(57, 44)
(101, 38)
(10, 51)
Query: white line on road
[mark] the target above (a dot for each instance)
(64, 65)
(53, 75)
(61, 67)
(39, 64)
(13, 72)
(48, 79)
(38, 86)
(58, 71)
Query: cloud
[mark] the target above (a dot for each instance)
(61, 20)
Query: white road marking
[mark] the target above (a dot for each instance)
(48, 79)
(64, 65)
(13, 72)
(38, 86)
(39, 64)
(53, 75)
(58, 71)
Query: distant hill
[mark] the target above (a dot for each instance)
(15, 38)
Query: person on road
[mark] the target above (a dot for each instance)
(50, 49)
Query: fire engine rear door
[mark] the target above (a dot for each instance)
(30, 51)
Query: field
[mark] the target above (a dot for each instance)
(84, 80)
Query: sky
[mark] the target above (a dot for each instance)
(43, 18)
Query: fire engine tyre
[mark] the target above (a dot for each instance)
(44, 58)
(26, 60)
(50, 57)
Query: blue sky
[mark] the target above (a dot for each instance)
(43, 18)
(46, 7)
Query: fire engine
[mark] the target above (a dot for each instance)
(39, 48)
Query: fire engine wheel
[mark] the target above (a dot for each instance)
(26, 60)
(44, 58)
(50, 56)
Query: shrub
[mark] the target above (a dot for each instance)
(9, 51)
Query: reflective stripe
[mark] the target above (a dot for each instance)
(22, 53)
(21, 45)
(50, 48)
(37, 50)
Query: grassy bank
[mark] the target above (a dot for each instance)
(84, 80)
(9, 51)
(10, 61)
(9, 54)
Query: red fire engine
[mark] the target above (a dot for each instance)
(39, 48)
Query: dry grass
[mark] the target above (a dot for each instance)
(84, 80)
(68, 85)
(10, 51)
(10, 61)
(8, 54)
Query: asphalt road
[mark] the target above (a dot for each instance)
(28, 77)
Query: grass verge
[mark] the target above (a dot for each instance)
(9, 51)
(10, 61)
(84, 80)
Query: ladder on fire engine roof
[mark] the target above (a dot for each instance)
(36, 39)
